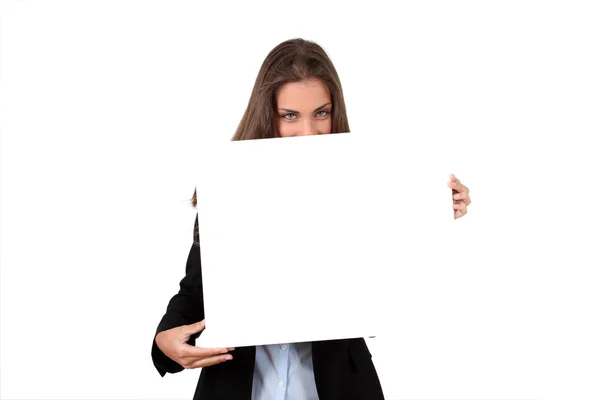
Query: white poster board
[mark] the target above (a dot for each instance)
(309, 224)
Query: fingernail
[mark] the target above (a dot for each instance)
(457, 196)
(228, 358)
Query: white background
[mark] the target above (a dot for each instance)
(103, 104)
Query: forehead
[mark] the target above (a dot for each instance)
(308, 94)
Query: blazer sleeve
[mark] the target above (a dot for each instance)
(186, 307)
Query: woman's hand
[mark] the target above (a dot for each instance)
(173, 342)
(460, 195)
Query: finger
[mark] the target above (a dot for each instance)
(457, 186)
(454, 184)
(457, 200)
(207, 362)
(460, 213)
(462, 195)
(194, 354)
(194, 328)
(453, 178)
(195, 351)
(461, 206)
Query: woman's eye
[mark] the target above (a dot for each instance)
(322, 113)
(289, 116)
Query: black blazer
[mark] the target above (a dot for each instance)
(343, 368)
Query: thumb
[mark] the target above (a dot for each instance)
(194, 328)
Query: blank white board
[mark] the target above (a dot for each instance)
(308, 225)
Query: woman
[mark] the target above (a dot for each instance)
(297, 92)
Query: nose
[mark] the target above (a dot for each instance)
(308, 128)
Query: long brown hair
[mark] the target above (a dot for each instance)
(291, 61)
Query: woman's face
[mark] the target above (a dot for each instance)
(303, 108)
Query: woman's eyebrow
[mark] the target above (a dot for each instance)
(297, 112)
(323, 106)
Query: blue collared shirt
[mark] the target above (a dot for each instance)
(284, 372)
